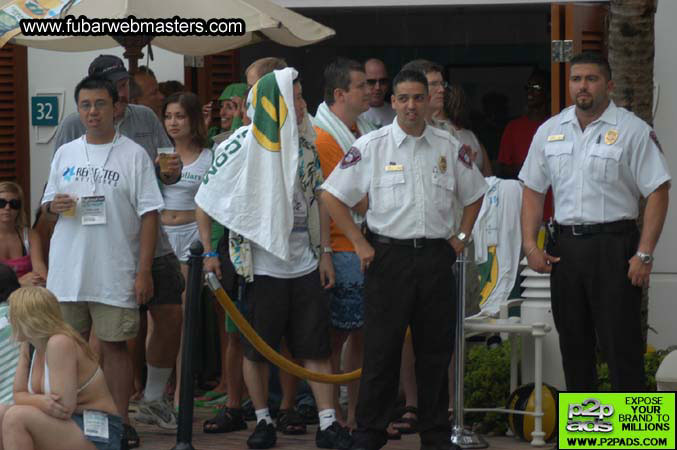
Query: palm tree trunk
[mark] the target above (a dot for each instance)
(631, 56)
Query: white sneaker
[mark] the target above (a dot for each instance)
(158, 412)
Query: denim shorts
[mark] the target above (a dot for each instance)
(114, 432)
(347, 303)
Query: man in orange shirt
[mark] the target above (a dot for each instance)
(337, 124)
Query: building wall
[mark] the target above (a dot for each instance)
(61, 71)
(662, 307)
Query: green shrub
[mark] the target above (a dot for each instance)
(651, 363)
(487, 385)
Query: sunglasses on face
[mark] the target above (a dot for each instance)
(373, 81)
(533, 87)
(13, 203)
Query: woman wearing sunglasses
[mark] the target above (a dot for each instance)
(20, 247)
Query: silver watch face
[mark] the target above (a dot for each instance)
(645, 258)
(461, 236)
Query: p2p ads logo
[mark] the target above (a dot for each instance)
(605, 420)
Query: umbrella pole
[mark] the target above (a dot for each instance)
(459, 435)
(133, 55)
(133, 46)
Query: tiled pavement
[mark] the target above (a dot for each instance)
(153, 438)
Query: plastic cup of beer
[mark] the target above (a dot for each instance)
(164, 156)
(70, 212)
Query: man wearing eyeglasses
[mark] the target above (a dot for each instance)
(103, 190)
(379, 113)
(140, 124)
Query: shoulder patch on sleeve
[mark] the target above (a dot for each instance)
(654, 138)
(351, 158)
(465, 155)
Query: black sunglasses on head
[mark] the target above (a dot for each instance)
(373, 81)
(13, 203)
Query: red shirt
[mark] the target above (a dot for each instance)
(514, 147)
(516, 140)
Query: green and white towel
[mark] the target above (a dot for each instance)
(250, 186)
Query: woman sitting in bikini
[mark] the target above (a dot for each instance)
(60, 394)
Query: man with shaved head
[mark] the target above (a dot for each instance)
(380, 113)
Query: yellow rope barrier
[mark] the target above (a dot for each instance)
(266, 350)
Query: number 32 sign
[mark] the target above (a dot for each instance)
(44, 110)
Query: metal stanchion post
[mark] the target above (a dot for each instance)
(184, 433)
(459, 435)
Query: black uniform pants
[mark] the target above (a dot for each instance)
(593, 301)
(407, 286)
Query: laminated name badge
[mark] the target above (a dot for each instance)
(93, 210)
(95, 425)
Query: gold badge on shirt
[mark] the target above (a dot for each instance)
(611, 137)
(442, 164)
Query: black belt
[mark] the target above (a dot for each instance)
(621, 226)
(415, 243)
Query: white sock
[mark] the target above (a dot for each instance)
(156, 382)
(327, 417)
(263, 414)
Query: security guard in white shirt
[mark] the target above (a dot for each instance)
(599, 159)
(413, 174)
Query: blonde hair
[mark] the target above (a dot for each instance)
(13, 188)
(266, 65)
(34, 313)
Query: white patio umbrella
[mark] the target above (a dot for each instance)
(264, 20)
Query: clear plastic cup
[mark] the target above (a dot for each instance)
(164, 156)
(71, 211)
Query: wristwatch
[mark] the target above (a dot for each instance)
(644, 257)
(327, 250)
(463, 237)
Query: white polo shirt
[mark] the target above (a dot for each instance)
(597, 174)
(413, 182)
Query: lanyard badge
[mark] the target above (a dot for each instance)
(95, 424)
(93, 210)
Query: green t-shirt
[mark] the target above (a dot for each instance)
(218, 231)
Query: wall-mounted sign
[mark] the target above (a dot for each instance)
(45, 110)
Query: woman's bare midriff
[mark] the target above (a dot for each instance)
(172, 217)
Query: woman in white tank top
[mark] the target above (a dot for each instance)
(185, 126)
(60, 393)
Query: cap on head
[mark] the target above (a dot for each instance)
(233, 90)
(110, 67)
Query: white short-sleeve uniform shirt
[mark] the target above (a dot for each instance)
(413, 183)
(597, 174)
(98, 263)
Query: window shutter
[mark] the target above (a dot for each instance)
(14, 121)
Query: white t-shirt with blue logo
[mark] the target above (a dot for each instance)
(98, 263)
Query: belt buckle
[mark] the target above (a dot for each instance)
(577, 233)
(419, 242)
